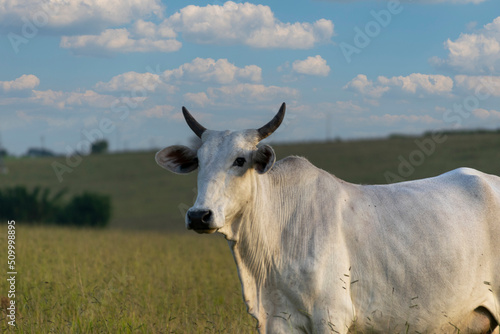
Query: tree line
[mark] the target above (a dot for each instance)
(40, 206)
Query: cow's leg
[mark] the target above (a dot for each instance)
(336, 321)
(481, 321)
(279, 324)
(320, 323)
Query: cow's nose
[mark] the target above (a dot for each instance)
(200, 219)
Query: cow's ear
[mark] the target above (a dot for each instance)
(264, 159)
(178, 159)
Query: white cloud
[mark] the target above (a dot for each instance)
(117, 41)
(471, 25)
(100, 21)
(209, 70)
(251, 73)
(130, 81)
(415, 83)
(62, 100)
(149, 29)
(292, 36)
(80, 15)
(474, 53)
(200, 99)
(348, 106)
(161, 111)
(219, 71)
(486, 114)
(482, 85)
(312, 66)
(249, 24)
(26, 81)
(246, 93)
(361, 84)
(253, 93)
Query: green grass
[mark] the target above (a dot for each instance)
(144, 196)
(145, 275)
(95, 281)
(147, 197)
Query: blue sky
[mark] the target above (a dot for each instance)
(75, 71)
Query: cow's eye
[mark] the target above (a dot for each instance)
(239, 162)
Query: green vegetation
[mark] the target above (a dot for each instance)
(109, 281)
(99, 147)
(122, 281)
(34, 205)
(145, 196)
(87, 209)
(37, 206)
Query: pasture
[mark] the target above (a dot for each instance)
(95, 281)
(145, 274)
(147, 197)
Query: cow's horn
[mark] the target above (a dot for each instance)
(197, 128)
(270, 127)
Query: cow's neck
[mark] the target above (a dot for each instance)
(259, 243)
(262, 225)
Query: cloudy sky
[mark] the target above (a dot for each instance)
(76, 70)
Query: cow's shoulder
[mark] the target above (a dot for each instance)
(464, 172)
(296, 171)
(464, 176)
(477, 184)
(294, 164)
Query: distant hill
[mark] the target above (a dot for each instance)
(146, 196)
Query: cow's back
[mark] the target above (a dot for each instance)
(424, 252)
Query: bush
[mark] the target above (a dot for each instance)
(99, 147)
(87, 210)
(37, 206)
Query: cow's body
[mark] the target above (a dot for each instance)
(316, 254)
(328, 255)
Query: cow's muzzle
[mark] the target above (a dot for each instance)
(200, 221)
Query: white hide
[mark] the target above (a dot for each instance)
(316, 254)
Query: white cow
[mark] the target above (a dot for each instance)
(316, 254)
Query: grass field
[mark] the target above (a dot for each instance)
(94, 281)
(147, 197)
(146, 274)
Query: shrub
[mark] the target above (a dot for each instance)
(99, 147)
(87, 210)
(37, 206)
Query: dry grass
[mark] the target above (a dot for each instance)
(84, 281)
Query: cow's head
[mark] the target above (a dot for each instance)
(228, 162)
